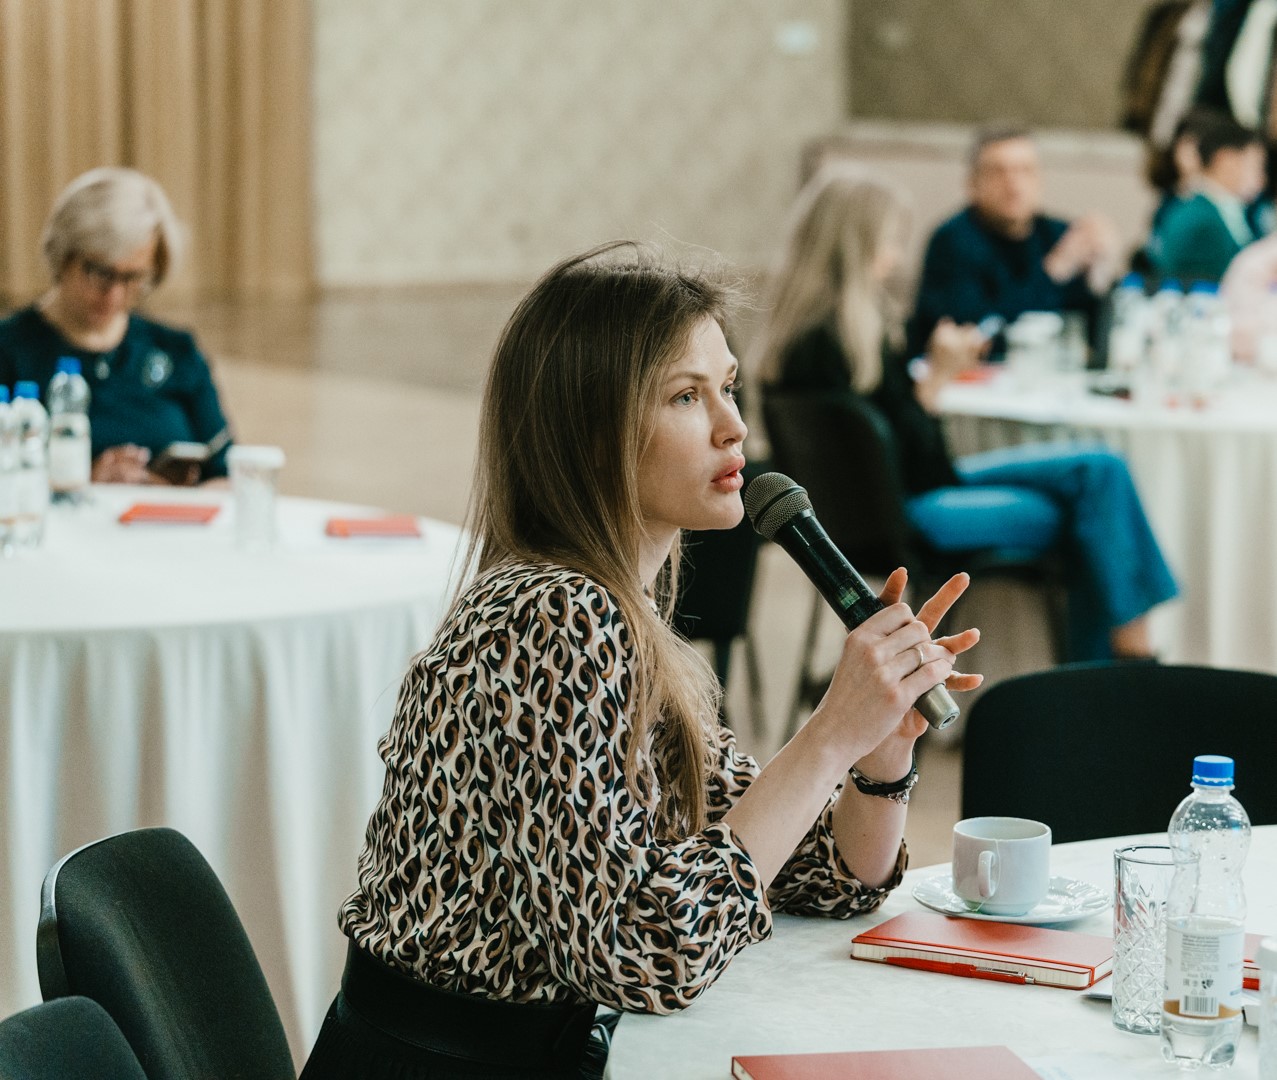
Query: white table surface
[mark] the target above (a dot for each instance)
(1208, 481)
(160, 675)
(800, 992)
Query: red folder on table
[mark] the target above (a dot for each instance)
(392, 525)
(951, 1063)
(169, 514)
(1003, 952)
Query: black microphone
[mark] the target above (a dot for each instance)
(780, 510)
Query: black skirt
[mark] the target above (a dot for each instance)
(385, 1025)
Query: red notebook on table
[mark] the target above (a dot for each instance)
(951, 1063)
(169, 514)
(1002, 952)
(393, 525)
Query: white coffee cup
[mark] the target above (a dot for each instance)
(1001, 865)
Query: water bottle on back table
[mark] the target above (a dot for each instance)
(8, 474)
(1209, 836)
(32, 423)
(70, 453)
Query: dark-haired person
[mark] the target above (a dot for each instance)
(564, 821)
(1198, 236)
(1001, 255)
(110, 240)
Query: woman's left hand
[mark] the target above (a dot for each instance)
(885, 759)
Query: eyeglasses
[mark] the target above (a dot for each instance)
(106, 277)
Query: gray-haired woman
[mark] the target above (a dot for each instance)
(110, 240)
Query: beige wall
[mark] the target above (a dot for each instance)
(1051, 63)
(483, 139)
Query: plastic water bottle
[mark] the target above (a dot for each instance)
(8, 474)
(1159, 373)
(1205, 921)
(70, 455)
(1128, 328)
(1207, 354)
(33, 472)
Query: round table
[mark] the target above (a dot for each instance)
(1208, 479)
(161, 675)
(800, 992)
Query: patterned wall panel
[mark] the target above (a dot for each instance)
(483, 139)
(1051, 63)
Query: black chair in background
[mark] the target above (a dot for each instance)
(1107, 749)
(140, 923)
(716, 584)
(843, 451)
(69, 1039)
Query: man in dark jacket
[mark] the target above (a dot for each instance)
(1001, 255)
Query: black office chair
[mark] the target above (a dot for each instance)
(68, 1039)
(140, 923)
(716, 583)
(843, 451)
(1107, 749)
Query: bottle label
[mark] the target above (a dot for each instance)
(1204, 970)
(32, 493)
(70, 462)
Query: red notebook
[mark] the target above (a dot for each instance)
(1003, 952)
(393, 525)
(169, 514)
(953, 1063)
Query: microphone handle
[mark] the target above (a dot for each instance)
(850, 596)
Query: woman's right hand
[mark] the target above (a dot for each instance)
(953, 349)
(887, 663)
(122, 465)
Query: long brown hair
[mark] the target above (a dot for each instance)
(840, 222)
(568, 408)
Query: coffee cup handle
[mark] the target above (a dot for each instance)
(986, 874)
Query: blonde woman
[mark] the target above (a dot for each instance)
(830, 326)
(564, 823)
(110, 240)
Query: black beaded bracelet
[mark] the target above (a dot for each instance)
(897, 791)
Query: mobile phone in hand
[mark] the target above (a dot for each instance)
(174, 463)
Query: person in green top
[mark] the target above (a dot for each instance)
(1198, 235)
(110, 240)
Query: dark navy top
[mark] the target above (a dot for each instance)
(970, 271)
(152, 389)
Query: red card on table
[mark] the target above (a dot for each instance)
(169, 514)
(981, 373)
(392, 525)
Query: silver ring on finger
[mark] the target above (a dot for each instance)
(922, 657)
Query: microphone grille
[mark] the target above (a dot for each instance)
(772, 501)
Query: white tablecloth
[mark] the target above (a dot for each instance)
(799, 992)
(1208, 480)
(160, 675)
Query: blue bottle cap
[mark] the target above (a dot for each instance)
(26, 388)
(1132, 281)
(1207, 287)
(68, 364)
(1212, 770)
(4, 395)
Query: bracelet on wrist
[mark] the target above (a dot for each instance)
(896, 791)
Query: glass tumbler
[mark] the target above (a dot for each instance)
(254, 474)
(1142, 883)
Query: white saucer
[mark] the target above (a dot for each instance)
(1067, 900)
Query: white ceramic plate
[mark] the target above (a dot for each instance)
(1067, 900)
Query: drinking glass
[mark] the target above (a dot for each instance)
(1142, 882)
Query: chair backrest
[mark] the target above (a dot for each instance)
(716, 578)
(1106, 749)
(68, 1039)
(842, 450)
(140, 923)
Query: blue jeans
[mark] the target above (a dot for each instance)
(1080, 498)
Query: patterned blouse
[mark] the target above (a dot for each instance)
(508, 858)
